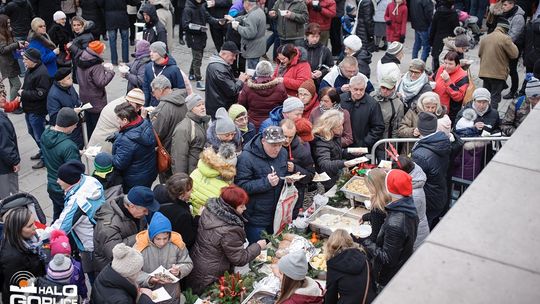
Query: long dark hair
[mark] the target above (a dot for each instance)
(288, 50)
(5, 33)
(14, 222)
(288, 287)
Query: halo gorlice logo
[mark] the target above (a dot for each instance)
(23, 290)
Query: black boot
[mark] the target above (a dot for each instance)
(510, 95)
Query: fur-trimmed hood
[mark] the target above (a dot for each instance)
(262, 83)
(212, 165)
(43, 38)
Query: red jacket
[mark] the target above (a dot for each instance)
(297, 72)
(310, 293)
(454, 89)
(398, 27)
(324, 17)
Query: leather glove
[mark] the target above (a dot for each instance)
(357, 239)
(111, 138)
(402, 38)
(388, 22)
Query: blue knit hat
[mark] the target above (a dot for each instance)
(103, 162)
(158, 224)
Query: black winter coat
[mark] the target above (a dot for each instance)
(58, 98)
(220, 9)
(116, 16)
(154, 30)
(92, 11)
(20, 14)
(340, 8)
(112, 288)
(300, 156)
(36, 86)
(195, 13)
(364, 59)
(432, 155)
(9, 150)
(367, 122)
(365, 26)
(443, 24)
(347, 278)
(60, 36)
(421, 14)
(395, 240)
(491, 117)
(329, 158)
(222, 89)
(376, 219)
(318, 55)
(532, 44)
(45, 9)
(178, 212)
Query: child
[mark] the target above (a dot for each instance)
(160, 246)
(465, 125)
(396, 21)
(104, 171)
(59, 273)
(379, 29)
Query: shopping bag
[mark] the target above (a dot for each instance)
(285, 207)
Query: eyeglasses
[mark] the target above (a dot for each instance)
(414, 72)
(43, 25)
(304, 94)
(241, 119)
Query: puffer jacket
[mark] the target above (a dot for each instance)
(222, 89)
(45, 46)
(329, 158)
(36, 86)
(366, 119)
(419, 197)
(169, 70)
(93, 78)
(296, 72)
(82, 40)
(116, 16)
(392, 110)
(260, 96)
(514, 116)
(453, 91)
(114, 225)
(495, 52)
(219, 245)
(274, 118)
(252, 171)
(388, 66)
(170, 111)
(364, 26)
(9, 150)
(57, 148)
(153, 30)
(398, 25)
(212, 174)
(135, 77)
(188, 141)
(310, 292)
(345, 283)
(111, 288)
(291, 28)
(20, 14)
(444, 21)
(8, 65)
(322, 14)
(134, 154)
(432, 153)
(395, 240)
(421, 13)
(60, 97)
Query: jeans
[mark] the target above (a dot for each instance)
(57, 199)
(495, 87)
(251, 63)
(421, 40)
(478, 9)
(36, 126)
(124, 34)
(273, 39)
(22, 68)
(132, 29)
(253, 233)
(196, 63)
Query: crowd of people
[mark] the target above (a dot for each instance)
(183, 179)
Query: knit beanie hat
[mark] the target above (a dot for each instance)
(309, 85)
(292, 103)
(224, 123)
(303, 129)
(33, 55)
(427, 123)
(135, 96)
(97, 46)
(103, 162)
(59, 15)
(193, 100)
(504, 24)
(160, 48)
(71, 171)
(237, 110)
(264, 69)
(481, 94)
(127, 261)
(142, 48)
(61, 73)
(398, 183)
(158, 224)
(417, 65)
(294, 265)
(66, 117)
(461, 41)
(532, 89)
(59, 243)
(353, 42)
(60, 268)
(394, 48)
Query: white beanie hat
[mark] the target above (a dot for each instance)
(353, 42)
(59, 15)
(126, 261)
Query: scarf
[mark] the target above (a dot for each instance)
(410, 88)
(337, 106)
(133, 123)
(35, 246)
(478, 111)
(282, 70)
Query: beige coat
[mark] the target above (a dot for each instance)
(496, 51)
(106, 125)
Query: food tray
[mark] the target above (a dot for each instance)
(353, 195)
(326, 230)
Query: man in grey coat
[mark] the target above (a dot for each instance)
(251, 28)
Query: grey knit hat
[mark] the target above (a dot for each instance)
(159, 47)
(193, 100)
(126, 261)
(294, 265)
(427, 123)
(292, 103)
(394, 48)
(66, 117)
(264, 69)
(481, 94)
(461, 41)
(224, 123)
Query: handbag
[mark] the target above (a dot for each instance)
(162, 156)
(470, 89)
(367, 283)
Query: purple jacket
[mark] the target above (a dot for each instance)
(93, 78)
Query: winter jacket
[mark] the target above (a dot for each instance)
(419, 197)
(322, 14)
(169, 69)
(495, 52)
(153, 30)
(60, 97)
(334, 79)
(317, 56)
(380, 10)
(170, 111)
(411, 94)
(111, 288)
(188, 141)
(219, 245)
(222, 88)
(364, 60)
(252, 171)
(9, 149)
(8, 65)
(329, 157)
(93, 77)
(398, 21)
(421, 13)
(220, 8)
(107, 125)
(213, 141)
(45, 9)
(516, 19)
(57, 148)
(532, 44)
(406, 128)
(295, 73)
(116, 16)
(134, 155)
(346, 136)
(212, 174)
(35, 88)
(300, 155)
(135, 77)
(274, 118)
(310, 292)
(392, 110)
(366, 120)
(78, 216)
(252, 29)
(45, 46)
(46, 282)
(249, 134)
(165, 12)
(92, 11)
(195, 13)
(445, 20)
(291, 28)
(449, 45)
(260, 96)
(20, 14)
(13, 261)
(60, 36)
(347, 278)
(388, 66)
(395, 240)
(453, 91)
(514, 116)
(364, 26)
(82, 40)
(114, 225)
(179, 213)
(490, 118)
(431, 153)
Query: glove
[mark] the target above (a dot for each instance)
(357, 239)
(402, 38)
(111, 137)
(388, 22)
(317, 8)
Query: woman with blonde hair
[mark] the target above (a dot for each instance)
(39, 39)
(379, 198)
(346, 284)
(326, 147)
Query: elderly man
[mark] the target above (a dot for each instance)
(521, 107)
(340, 75)
(292, 108)
(222, 88)
(392, 107)
(119, 220)
(258, 170)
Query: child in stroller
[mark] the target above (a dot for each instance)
(470, 23)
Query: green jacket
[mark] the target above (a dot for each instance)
(57, 148)
(291, 28)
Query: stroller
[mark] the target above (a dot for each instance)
(470, 23)
(21, 199)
